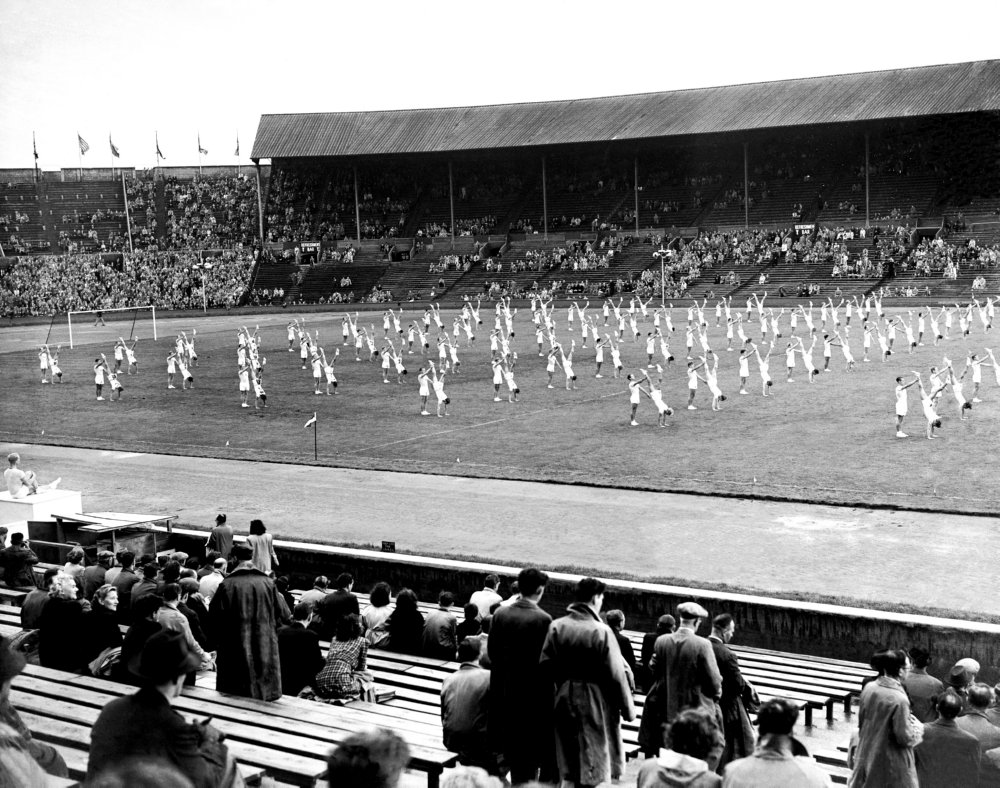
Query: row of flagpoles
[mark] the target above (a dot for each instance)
(84, 146)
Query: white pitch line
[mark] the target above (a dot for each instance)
(480, 424)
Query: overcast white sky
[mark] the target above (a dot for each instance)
(134, 67)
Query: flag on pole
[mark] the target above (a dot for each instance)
(201, 150)
(237, 145)
(310, 422)
(34, 146)
(159, 155)
(84, 147)
(114, 150)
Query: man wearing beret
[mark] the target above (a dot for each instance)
(685, 676)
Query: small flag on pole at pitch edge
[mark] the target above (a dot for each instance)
(34, 145)
(159, 155)
(237, 145)
(201, 150)
(311, 421)
(114, 150)
(84, 147)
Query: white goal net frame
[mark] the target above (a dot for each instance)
(69, 316)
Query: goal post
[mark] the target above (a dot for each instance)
(133, 309)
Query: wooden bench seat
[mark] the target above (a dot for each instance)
(294, 727)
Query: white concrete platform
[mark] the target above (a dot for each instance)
(41, 506)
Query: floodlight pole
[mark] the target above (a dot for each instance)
(357, 207)
(635, 163)
(451, 200)
(545, 204)
(746, 187)
(662, 254)
(867, 216)
(260, 206)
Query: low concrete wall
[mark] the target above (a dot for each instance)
(800, 627)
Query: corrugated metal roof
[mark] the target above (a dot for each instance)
(901, 93)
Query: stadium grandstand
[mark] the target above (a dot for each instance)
(796, 180)
(292, 657)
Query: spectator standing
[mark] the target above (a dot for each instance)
(406, 624)
(221, 538)
(144, 726)
(921, 687)
(245, 613)
(465, 710)
(520, 692)
(773, 762)
(948, 756)
(298, 646)
(439, 635)
(487, 597)
(321, 587)
(685, 676)
(375, 616)
(887, 732)
(664, 626)
(16, 562)
(94, 576)
(262, 544)
(616, 620)
(592, 692)
(976, 722)
(682, 764)
(736, 725)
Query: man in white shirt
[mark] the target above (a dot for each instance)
(23, 483)
(488, 597)
(210, 582)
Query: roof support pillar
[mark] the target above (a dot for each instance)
(260, 206)
(357, 207)
(746, 185)
(545, 204)
(451, 200)
(635, 181)
(867, 217)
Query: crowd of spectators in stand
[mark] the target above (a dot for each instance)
(47, 284)
(482, 225)
(210, 213)
(453, 262)
(938, 257)
(536, 698)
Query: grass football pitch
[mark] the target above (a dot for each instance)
(829, 441)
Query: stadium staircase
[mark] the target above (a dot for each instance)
(23, 198)
(66, 200)
(323, 280)
(161, 210)
(906, 194)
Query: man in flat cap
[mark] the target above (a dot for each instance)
(685, 676)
